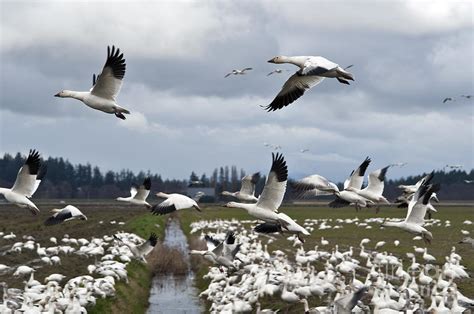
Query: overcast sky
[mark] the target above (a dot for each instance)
(407, 55)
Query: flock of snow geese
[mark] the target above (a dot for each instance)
(251, 271)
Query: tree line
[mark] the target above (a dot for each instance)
(65, 180)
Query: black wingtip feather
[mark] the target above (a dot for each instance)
(160, 210)
(338, 203)
(230, 237)
(383, 173)
(255, 177)
(153, 239)
(279, 167)
(363, 166)
(212, 240)
(432, 188)
(42, 172)
(147, 183)
(116, 62)
(267, 228)
(33, 161)
(281, 101)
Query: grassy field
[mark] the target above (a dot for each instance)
(133, 297)
(130, 298)
(350, 235)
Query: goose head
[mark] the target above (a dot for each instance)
(277, 59)
(63, 94)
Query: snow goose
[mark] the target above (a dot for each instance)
(272, 194)
(173, 203)
(290, 226)
(27, 181)
(142, 250)
(220, 252)
(237, 72)
(276, 71)
(374, 190)
(138, 194)
(247, 190)
(355, 180)
(64, 214)
(416, 211)
(315, 185)
(312, 71)
(467, 240)
(106, 86)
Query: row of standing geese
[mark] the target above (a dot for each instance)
(265, 207)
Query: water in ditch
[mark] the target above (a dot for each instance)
(175, 293)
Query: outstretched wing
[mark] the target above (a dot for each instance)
(248, 184)
(58, 218)
(165, 207)
(338, 203)
(275, 187)
(376, 181)
(293, 89)
(109, 81)
(357, 176)
(143, 190)
(145, 248)
(25, 183)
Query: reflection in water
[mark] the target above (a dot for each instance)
(170, 293)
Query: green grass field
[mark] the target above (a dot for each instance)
(350, 235)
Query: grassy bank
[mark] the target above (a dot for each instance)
(350, 235)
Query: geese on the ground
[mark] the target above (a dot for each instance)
(138, 194)
(374, 190)
(467, 240)
(27, 182)
(142, 250)
(173, 203)
(312, 71)
(105, 87)
(247, 189)
(417, 210)
(64, 214)
(272, 194)
(355, 180)
(238, 72)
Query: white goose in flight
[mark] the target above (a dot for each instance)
(272, 194)
(27, 182)
(138, 194)
(65, 214)
(221, 253)
(238, 72)
(142, 250)
(102, 95)
(173, 203)
(247, 189)
(374, 190)
(313, 70)
(417, 207)
(347, 197)
(315, 185)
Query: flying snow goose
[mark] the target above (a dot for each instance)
(247, 190)
(415, 218)
(276, 71)
(27, 181)
(237, 72)
(65, 214)
(355, 180)
(374, 190)
(106, 86)
(272, 194)
(290, 227)
(220, 252)
(173, 203)
(312, 71)
(315, 185)
(142, 250)
(138, 194)
(407, 192)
